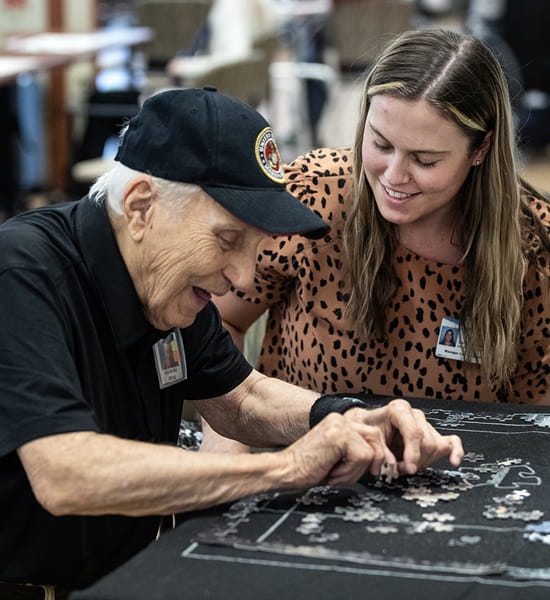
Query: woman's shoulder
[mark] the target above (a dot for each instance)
(323, 161)
(320, 169)
(322, 180)
(540, 207)
(536, 232)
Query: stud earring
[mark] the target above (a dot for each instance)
(477, 162)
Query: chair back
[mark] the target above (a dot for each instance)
(243, 78)
(359, 28)
(175, 23)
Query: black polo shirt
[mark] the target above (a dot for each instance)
(76, 354)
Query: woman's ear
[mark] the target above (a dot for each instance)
(137, 204)
(480, 153)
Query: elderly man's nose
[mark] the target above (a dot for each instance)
(240, 271)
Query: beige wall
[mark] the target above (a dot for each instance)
(30, 17)
(80, 15)
(33, 16)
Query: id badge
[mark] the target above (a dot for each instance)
(450, 343)
(170, 359)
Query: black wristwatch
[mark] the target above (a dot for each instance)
(328, 403)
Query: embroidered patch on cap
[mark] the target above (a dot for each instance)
(268, 156)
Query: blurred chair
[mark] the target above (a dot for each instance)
(243, 78)
(358, 28)
(175, 23)
(268, 46)
(104, 114)
(289, 112)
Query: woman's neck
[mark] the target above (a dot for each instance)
(439, 244)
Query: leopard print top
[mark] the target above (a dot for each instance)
(308, 341)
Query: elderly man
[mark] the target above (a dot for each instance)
(108, 327)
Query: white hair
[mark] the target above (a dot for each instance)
(110, 188)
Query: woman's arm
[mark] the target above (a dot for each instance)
(238, 315)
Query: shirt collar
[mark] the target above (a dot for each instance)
(108, 270)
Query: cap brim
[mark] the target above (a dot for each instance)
(274, 211)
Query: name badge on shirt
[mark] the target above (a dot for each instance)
(170, 359)
(450, 343)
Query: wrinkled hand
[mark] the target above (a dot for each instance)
(412, 441)
(341, 448)
(337, 451)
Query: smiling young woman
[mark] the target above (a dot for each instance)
(432, 226)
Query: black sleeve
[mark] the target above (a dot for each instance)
(215, 365)
(40, 393)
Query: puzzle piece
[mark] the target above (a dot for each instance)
(539, 420)
(388, 472)
(506, 474)
(382, 529)
(440, 517)
(473, 457)
(425, 498)
(507, 512)
(465, 540)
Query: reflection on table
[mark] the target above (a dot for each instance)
(75, 46)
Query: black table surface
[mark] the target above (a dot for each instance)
(480, 530)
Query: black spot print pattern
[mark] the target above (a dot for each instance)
(310, 343)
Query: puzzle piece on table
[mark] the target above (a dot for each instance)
(440, 517)
(425, 526)
(385, 529)
(539, 532)
(359, 514)
(539, 420)
(513, 499)
(473, 457)
(502, 511)
(506, 474)
(465, 540)
(425, 498)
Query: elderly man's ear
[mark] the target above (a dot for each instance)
(137, 206)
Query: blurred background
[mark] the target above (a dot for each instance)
(72, 72)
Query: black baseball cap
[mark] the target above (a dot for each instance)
(224, 146)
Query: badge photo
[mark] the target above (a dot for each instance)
(170, 359)
(449, 343)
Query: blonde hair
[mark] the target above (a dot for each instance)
(461, 78)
